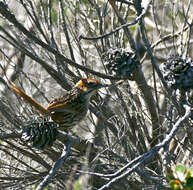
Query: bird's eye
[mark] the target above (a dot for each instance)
(91, 83)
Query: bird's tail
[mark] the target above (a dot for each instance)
(28, 99)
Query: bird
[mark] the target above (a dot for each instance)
(69, 109)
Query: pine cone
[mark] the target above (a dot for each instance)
(178, 72)
(40, 135)
(121, 62)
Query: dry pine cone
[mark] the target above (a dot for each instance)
(178, 72)
(120, 62)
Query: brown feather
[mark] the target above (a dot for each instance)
(27, 98)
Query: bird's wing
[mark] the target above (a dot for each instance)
(63, 105)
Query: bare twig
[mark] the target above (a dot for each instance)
(64, 26)
(56, 166)
(11, 17)
(13, 135)
(146, 156)
(154, 63)
(115, 30)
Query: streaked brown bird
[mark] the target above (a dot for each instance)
(69, 109)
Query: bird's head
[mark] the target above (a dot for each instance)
(89, 86)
